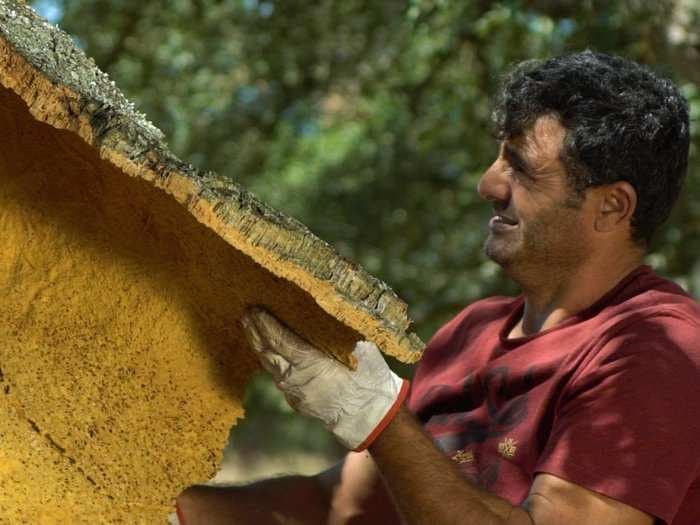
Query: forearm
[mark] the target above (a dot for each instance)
(286, 500)
(428, 488)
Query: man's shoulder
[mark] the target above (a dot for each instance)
(642, 297)
(658, 327)
(665, 324)
(487, 310)
(655, 301)
(477, 317)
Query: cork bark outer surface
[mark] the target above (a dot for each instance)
(124, 273)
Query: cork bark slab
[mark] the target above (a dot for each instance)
(124, 273)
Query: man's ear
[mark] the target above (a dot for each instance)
(616, 206)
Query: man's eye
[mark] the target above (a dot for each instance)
(515, 168)
(520, 173)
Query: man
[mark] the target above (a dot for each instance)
(576, 403)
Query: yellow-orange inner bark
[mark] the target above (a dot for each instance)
(123, 362)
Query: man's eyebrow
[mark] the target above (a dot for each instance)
(516, 158)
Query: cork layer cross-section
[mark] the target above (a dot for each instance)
(124, 274)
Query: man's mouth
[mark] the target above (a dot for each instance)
(502, 222)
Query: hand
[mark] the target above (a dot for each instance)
(355, 405)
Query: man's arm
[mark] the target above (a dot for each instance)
(363, 409)
(428, 488)
(285, 500)
(350, 492)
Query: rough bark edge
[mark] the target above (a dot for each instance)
(63, 88)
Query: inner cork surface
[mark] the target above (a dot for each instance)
(122, 360)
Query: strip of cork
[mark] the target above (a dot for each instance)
(124, 274)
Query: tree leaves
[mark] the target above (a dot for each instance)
(369, 121)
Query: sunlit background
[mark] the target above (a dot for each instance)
(368, 121)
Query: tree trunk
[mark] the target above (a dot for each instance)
(124, 273)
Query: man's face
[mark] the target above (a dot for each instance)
(538, 223)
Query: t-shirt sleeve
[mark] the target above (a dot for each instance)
(627, 424)
(442, 348)
(432, 357)
(434, 379)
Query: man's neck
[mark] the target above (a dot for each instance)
(559, 297)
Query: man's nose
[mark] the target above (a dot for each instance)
(494, 185)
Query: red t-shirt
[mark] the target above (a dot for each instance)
(608, 399)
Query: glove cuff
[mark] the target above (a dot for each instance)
(388, 417)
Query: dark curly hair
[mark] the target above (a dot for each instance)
(622, 122)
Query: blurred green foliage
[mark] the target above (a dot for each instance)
(369, 122)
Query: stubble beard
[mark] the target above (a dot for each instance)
(548, 246)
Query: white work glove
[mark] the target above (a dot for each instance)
(355, 405)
